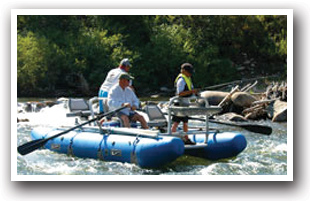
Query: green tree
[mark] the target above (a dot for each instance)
(71, 55)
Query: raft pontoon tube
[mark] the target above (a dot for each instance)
(145, 151)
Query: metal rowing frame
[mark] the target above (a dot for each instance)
(171, 101)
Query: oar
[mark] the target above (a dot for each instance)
(36, 144)
(266, 130)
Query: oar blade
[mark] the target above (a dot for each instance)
(256, 128)
(30, 146)
(266, 130)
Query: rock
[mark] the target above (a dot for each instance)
(49, 103)
(20, 107)
(33, 106)
(214, 97)
(279, 111)
(242, 99)
(155, 96)
(256, 115)
(22, 120)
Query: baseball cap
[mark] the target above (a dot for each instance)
(126, 76)
(188, 67)
(125, 62)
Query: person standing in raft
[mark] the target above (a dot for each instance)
(111, 80)
(184, 88)
(122, 95)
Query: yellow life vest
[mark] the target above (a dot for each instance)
(188, 81)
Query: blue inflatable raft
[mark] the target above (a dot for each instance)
(146, 148)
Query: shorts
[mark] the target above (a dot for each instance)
(130, 116)
(179, 119)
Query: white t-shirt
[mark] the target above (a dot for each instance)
(117, 96)
(112, 79)
(181, 85)
(180, 88)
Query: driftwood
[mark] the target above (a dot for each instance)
(237, 82)
(264, 101)
(276, 90)
(258, 105)
(252, 106)
(245, 87)
(228, 96)
(251, 109)
(249, 86)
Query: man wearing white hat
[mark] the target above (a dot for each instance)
(111, 80)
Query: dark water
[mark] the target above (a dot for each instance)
(264, 155)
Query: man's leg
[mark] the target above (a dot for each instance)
(140, 118)
(185, 127)
(125, 120)
(174, 127)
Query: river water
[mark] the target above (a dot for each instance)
(264, 155)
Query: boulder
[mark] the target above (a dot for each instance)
(33, 106)
(49, 103)
(256, 115)
(279, 111)
(242, 99)
(214, 97)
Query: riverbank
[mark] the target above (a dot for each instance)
(251, 101)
